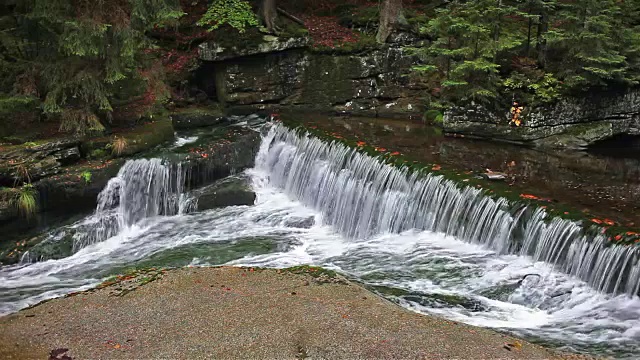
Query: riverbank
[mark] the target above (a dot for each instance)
(229, 312)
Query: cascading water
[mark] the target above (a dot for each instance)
(361, 196)
(435, 247)
(143, 188)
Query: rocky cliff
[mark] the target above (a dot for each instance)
(287, 74)
(575, 123)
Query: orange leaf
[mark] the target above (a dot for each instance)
(381, 149)
(361, 143)
(597, 221)
(529, 196)
(395, 153)
(609, 222)
(436, 167)
(618, 237)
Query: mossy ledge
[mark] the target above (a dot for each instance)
(616, 233)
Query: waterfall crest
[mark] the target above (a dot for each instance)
(360, 196)
(143, 188)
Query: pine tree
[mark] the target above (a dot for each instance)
(81, 53)
(468, 38)
(587, 45)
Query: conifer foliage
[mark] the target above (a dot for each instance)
(494, 51)
(78, 55)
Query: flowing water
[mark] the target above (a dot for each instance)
(420, 241)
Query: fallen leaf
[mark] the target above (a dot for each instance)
(529, 196)
(436, 167)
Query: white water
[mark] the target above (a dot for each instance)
(555, 307)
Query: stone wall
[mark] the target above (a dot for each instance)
(575, 123)
(375, 82)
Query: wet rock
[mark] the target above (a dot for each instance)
(232, 191)
(198, 117)
(33, 162)
(7, 211)
(574, 123)
(493, 175)
(53, 246)
(148, 136)
(445, 300)
(378, 81)
(216, 51)
(220, 158)
(300, 222)
(68, 156)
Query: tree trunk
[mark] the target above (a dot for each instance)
(541, 45)
(269, 13)
(390, 16)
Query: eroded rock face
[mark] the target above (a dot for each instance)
(214, 51)
(232, 191)
(373, 83)
(573, 123)
(31, 163)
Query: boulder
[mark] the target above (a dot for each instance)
(220, 157)
(7, 211)
(232, 191)
(300, 222)
(148, 136)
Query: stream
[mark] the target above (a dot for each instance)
(320, 205)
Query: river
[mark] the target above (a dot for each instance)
(436, 253)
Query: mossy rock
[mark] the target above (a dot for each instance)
(147, 136)
(232, 191)
(190, 118)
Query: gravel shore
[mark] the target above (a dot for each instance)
(240, 313)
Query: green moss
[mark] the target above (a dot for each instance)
(291, 29)
(388, 290)
(228, 37)
(313, 271)
(99, 154)
(617, 234)
(147, 136)
(365, 42)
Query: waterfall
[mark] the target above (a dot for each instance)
(143, 188)
(360, 196)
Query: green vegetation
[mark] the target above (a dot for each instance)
(77, 55)
(532, 51)
(86, 176)
(235, 13)
(23, 199)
